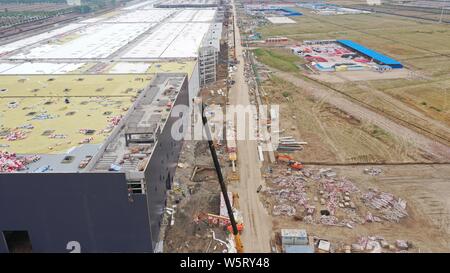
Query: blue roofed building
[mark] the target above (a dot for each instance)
(375, 56)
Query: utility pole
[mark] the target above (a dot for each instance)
(442, 14)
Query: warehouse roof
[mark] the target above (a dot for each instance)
(54, 128)
(49, 114)
(369, 52)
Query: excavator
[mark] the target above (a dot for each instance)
(235, 229)
(290, 161)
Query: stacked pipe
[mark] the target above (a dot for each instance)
(289, 144)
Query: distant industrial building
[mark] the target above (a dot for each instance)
(371, 54)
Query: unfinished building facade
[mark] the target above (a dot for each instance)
(107, 197)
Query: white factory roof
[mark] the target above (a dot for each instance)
(142, 16)
(194, 15)
(132, 37)
(127, 67)
(171, 40)
(38, 68)
(37, 38)
(213, 36)
(95, 41)
(142, 5)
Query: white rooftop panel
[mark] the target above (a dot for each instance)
(141, 5)
(194, 15)
(129, 68)
(184, 16)
(205, 15)
(94, 41)
(157, 42)
(37, 38)
(43, 68)
(187, 42)
(142, 16)
(6, 66)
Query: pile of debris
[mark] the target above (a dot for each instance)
(377, 244)
(10, 162)
(86, 140)
(114, 120)
(391, 208)
(16, 135)
(284, 210)
(43, 116)
(292, 188)
(336, 193)
(338, 200)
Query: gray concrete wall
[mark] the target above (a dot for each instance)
(194, 83)
(90, 208)
(161, 168)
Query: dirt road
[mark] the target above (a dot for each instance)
(258, 228)
(439, 151)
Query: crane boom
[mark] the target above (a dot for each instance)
(223, 187)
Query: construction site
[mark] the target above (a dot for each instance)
(352, 156)
(90, 102)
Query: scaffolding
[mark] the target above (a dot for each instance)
(208, 61)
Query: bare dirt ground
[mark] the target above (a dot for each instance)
(425, 189)
(344, 76)
(192, 198)
(436, 150)
(332, 134)
(258, 232)
(340, 130)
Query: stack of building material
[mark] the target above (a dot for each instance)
(391, 208)
(284, 210)
(372, 171)
(10, 162)
(289, 144)
(231, 137)
(16, 135)
(223, 207)
(115, 120)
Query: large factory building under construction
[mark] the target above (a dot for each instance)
(87, 111)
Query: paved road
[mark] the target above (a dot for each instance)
(258, 226)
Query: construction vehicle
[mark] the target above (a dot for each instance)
(284, 158)
(223, 187)
(293, 164)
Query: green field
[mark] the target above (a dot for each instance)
(422, 46)
(279, 59)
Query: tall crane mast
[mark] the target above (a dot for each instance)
(223, 187)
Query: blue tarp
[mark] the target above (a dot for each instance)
(380, 58)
